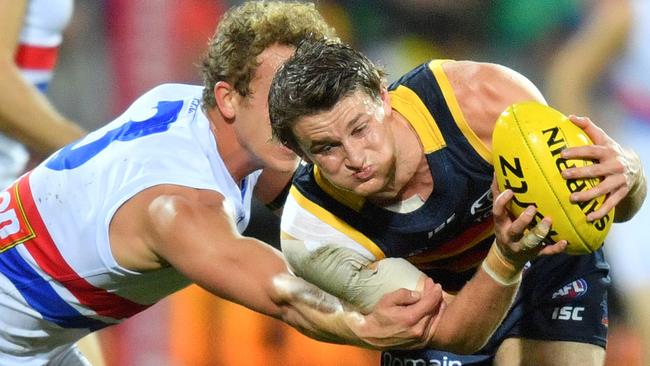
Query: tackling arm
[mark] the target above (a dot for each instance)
(192, 231)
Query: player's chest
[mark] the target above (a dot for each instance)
(458, 207)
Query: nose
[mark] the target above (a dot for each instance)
(354, 156)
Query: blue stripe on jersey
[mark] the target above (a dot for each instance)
(42, 87)
(41, 296)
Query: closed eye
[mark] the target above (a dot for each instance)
(324, 149)
(359, 129)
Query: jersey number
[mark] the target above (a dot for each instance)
(8, 219)
(14, 227)
(71, 157)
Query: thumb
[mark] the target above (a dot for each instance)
(401, 297)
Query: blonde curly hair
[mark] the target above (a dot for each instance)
(248, 29)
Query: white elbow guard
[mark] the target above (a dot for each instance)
(348, 275)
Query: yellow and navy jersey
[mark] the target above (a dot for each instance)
(450, 234)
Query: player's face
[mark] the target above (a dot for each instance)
(351, 144)
(253, 124)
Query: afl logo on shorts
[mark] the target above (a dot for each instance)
(572, 290)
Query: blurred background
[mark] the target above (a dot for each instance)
(114, 50)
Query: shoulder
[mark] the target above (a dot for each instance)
(168, 207)
(484, 79)
(173, 91)
(484, 90)
(170, 102)
(160, 218)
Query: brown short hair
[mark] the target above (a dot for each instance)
(314, 80)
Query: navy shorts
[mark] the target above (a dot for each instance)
(561, 298)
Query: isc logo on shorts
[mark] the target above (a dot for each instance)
(568, 313)
(14, 228)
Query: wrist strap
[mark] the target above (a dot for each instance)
(499, 268)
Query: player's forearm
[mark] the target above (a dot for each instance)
(403, 319)
(27, 116)
(469, 320)
(316, 313)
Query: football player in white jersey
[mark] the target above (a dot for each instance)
(30, 35)
(158, 199)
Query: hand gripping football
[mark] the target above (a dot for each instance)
(526, 143)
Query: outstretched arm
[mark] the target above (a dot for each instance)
(193, 231)
(401, 319)
(581, 61)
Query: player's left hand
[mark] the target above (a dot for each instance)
(403, 319)
(619, 169)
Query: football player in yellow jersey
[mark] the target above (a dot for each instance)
(405, 171)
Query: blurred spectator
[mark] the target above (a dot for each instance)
(30, 35)
(603, 69)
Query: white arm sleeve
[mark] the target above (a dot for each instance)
(339, 265)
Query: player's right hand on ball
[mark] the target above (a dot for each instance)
(517, 241)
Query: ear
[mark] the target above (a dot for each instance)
(224, 94)
(301, 152)
(385, 101)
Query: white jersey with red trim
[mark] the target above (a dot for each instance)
(58, 277)
(36, 56)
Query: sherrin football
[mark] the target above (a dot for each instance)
(526, 145)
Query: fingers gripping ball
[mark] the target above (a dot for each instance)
(527, 141)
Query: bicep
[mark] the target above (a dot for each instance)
(197, 236)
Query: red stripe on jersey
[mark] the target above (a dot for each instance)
(36, 58)
(459, 244)
(468, 259)
(50, 260)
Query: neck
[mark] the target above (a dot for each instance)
(237, 159)
(412, 176)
